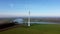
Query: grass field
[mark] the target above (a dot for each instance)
(35, 29)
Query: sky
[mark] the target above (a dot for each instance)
(36, 8)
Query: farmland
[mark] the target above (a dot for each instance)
(34, 28)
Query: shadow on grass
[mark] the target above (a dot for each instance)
(9, 26)
(6, 26)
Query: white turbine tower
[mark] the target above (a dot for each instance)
(29, 18)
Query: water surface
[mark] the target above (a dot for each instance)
(21, 21)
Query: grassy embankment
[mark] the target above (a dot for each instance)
(35, 29)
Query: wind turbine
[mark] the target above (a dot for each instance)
(29, 18)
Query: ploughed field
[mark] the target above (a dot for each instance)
(5, 24)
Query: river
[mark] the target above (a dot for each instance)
(21, 21)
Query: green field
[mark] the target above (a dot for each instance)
(35, 29)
